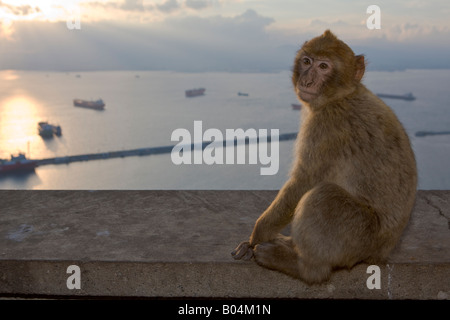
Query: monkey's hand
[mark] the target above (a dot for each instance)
(243, 251)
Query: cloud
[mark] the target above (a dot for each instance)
(325, 24)
(125, 5)
(240, 43)
(133, 5)
(22, 10)
(197, 4)
(168, 6)
(188, 43)
(223, 28)
(414, 32)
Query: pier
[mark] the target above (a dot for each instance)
(430, 133)
(140, 151)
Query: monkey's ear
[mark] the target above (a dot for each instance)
(360, 67)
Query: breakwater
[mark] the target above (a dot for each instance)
(140, 152)
(430, 133)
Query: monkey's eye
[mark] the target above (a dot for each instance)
(306, 61)
(323, 66)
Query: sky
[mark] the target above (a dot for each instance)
(215, 35)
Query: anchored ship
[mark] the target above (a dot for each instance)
(17, 163)
(47, 130)
(408, 96)
(97, 105)
(195, 92)
(296, 106)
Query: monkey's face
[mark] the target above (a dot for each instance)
(313, 73)
(326, 69)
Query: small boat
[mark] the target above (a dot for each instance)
(47, 130)
(17, 163)
(409, 96)
(296, 106)
(57, 130)
(97, 105)
(242, 94)
(194, 92)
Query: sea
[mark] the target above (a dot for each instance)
(144, 108)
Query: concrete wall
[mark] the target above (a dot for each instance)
(178, 244)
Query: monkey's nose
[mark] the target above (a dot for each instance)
(306, 83)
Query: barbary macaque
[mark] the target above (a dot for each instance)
(353, 183)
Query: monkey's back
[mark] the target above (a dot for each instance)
(365, 150)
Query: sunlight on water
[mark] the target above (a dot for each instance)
(18, 123)
(8, 75)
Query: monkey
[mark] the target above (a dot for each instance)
(352, 185)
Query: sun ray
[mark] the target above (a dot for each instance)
(43, 10)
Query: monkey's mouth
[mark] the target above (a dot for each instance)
(308, 92)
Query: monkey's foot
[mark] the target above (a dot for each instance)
(278, 255)
(243, 251)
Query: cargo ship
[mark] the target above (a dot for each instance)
(195, 92)
(296, 106)
(97, 105)
(16, 164)
(408, 96)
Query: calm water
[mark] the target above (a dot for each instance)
(144, 108)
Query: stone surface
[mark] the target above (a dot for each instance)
(178, 244)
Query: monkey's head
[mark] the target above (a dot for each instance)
(326, 69)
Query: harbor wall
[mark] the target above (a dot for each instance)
(141, 151)
(177, 244)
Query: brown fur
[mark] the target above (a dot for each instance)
(353, 183)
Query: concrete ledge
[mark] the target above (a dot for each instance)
(178, 244)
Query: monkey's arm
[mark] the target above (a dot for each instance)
(274, 219)
(278, 214)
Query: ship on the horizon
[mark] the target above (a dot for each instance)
(195, 92)
(17, 164)
(97, 105)
(409, 96)
(296, 106)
